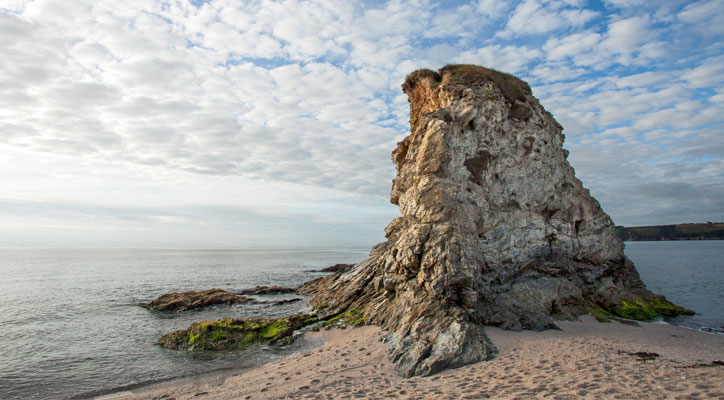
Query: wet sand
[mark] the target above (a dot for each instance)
(585, 360)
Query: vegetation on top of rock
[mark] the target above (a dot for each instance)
(234, 334)
(416, 76)
(464, 74)
(181, 301)
(513, 89)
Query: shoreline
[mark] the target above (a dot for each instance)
(304, 343)
(586, 359)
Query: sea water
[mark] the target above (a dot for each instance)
(72, 324)
(688, 273)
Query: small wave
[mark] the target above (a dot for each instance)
(718, 330)
(703, 329)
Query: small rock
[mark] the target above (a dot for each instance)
(181, 301)
(335, 268)
(262, 290)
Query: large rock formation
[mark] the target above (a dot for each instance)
(495, 228)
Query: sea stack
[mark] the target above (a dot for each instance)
(495, 229)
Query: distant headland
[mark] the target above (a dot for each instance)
(688, 231)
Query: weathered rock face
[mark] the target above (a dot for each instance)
(495, 228)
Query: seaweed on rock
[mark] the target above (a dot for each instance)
(232, 334)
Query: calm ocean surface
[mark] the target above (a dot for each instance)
(72, 325)
(689, 273)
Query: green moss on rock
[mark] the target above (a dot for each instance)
(600, 314)
(640, 310)
(230, 333)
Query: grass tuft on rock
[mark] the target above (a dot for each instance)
(465, 74)
(233, 334)
(514, 90)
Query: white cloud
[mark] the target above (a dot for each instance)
(704, 16)
(511, 59)
(578, 18)
(170, 219)
(625, 3)
(260, 102)
(628, 41)
(649, 78)
(531, 17)
(579, 47)
(556, 72)
(535, 17)
(492, 8)
(708, 74)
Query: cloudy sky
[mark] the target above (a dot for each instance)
(229, 123)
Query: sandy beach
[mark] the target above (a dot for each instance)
(584, 360)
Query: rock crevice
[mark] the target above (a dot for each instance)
(495, 228)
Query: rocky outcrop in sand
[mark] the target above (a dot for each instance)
(495, 228)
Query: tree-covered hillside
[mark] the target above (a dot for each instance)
(703, 231)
